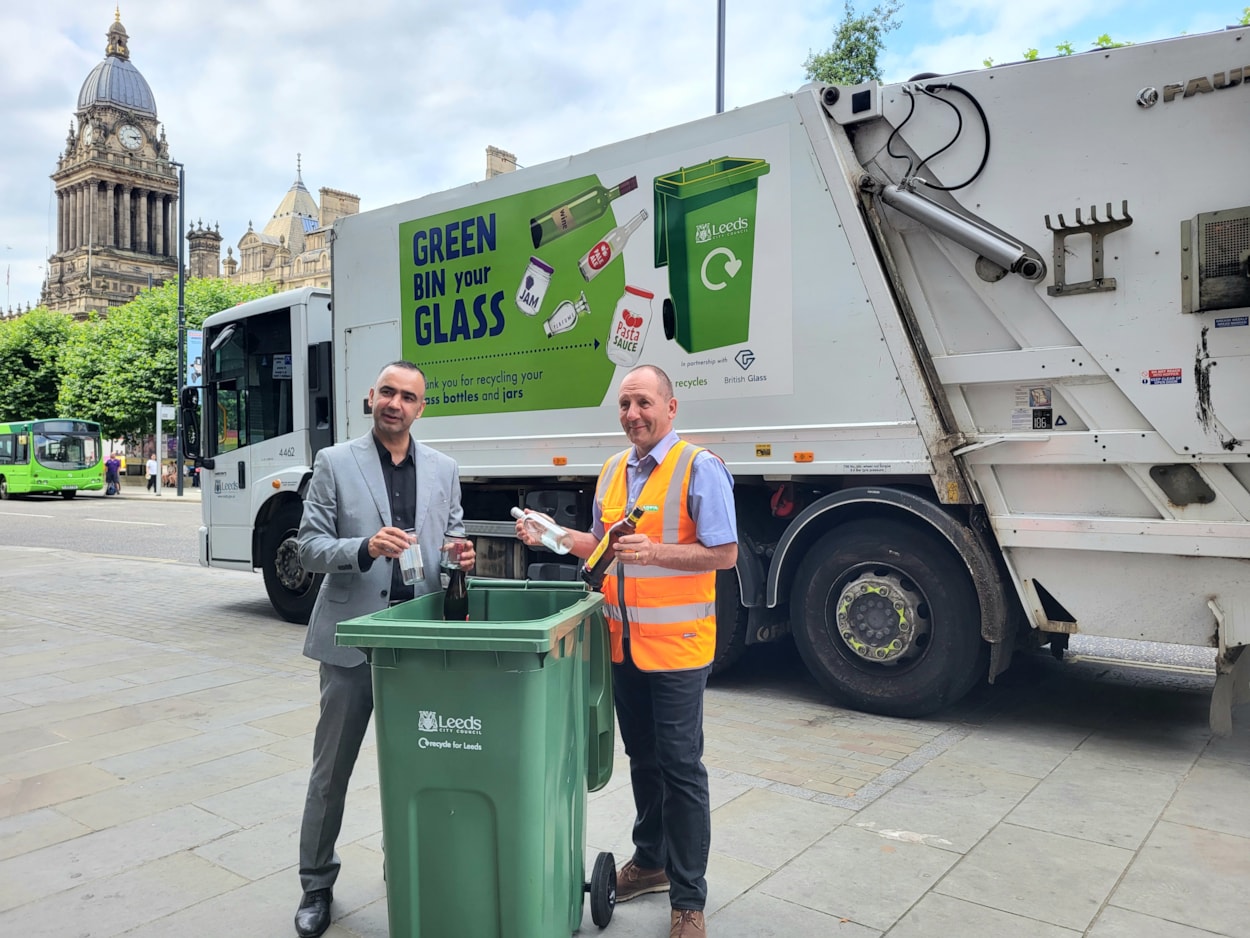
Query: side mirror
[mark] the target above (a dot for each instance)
(190, 406)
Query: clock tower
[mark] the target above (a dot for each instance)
(116, 192)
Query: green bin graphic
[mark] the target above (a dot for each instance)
(705, 235)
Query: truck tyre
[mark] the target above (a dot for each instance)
(292, 590)
(886, 618)
(731, 622)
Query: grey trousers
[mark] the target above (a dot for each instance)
(346, 705)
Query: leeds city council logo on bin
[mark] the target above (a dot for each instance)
(430, 721)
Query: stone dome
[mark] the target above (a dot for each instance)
(116, 81)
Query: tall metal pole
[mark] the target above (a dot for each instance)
(720, 56)
(182, 323)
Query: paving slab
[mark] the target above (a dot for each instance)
(1038, 875)
(938, 915)
(1193, 876)
(857, 874)
(1084, 797)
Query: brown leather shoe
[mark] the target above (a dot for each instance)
(687, 923)
(633, 881)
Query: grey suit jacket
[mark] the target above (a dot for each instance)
(345, 505)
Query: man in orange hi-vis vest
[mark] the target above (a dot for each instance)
(660, 601)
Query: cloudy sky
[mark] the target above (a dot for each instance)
(391, 99)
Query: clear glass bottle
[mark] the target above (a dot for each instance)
(582, 208)
(607, 250)
(565, 316)
(629, 326)
(597, 564)
(552, 536)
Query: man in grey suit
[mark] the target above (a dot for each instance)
(363, 496)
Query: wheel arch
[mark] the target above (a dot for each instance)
(271, 509)
(970, 543)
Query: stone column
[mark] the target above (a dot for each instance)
(158, 224)
(110, 217)
(141, 220)
(80, 216)
(93, 214)
(60, 221)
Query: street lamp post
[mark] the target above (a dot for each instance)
(182, 324)
(720, 56)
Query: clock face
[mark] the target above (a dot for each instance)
(130, 137)
(88, 134)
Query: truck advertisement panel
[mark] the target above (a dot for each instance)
(535, 300)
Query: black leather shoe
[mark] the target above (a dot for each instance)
(313, 917)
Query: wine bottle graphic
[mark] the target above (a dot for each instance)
(582, 208)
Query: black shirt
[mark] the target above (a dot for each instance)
(401, 491)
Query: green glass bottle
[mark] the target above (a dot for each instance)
(597, 564)
(582, 208)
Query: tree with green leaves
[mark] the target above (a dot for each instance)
(116, 369)
(1102, 42)
(858, 42)
(30, 364)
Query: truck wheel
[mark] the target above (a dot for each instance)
(886, 618)
(731, 622)
(292, 590)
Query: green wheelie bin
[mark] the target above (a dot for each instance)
(489, 734)
(705, 236)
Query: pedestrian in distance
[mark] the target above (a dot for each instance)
(363, 496)
(154, 468)
(660, 603)
(112, 475)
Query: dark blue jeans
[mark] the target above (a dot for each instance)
(661, 718)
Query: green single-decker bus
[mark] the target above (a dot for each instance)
(50, 457)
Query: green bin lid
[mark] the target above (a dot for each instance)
(690, 181)
(504, 615)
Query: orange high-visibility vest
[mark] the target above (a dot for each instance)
(671, 613)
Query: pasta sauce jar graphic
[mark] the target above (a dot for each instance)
(629, 328)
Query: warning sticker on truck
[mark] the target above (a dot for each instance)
(1161, 376)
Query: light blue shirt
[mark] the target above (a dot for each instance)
(710, 498)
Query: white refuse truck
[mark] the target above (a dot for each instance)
(976, 348)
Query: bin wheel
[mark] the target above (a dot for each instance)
(603, 890)
(669, 318)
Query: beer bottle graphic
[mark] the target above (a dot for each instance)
(606, 251)
(582, 208)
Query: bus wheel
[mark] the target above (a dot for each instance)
(4, 488)
(886, 618)
(292, 589)
(68, 495)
